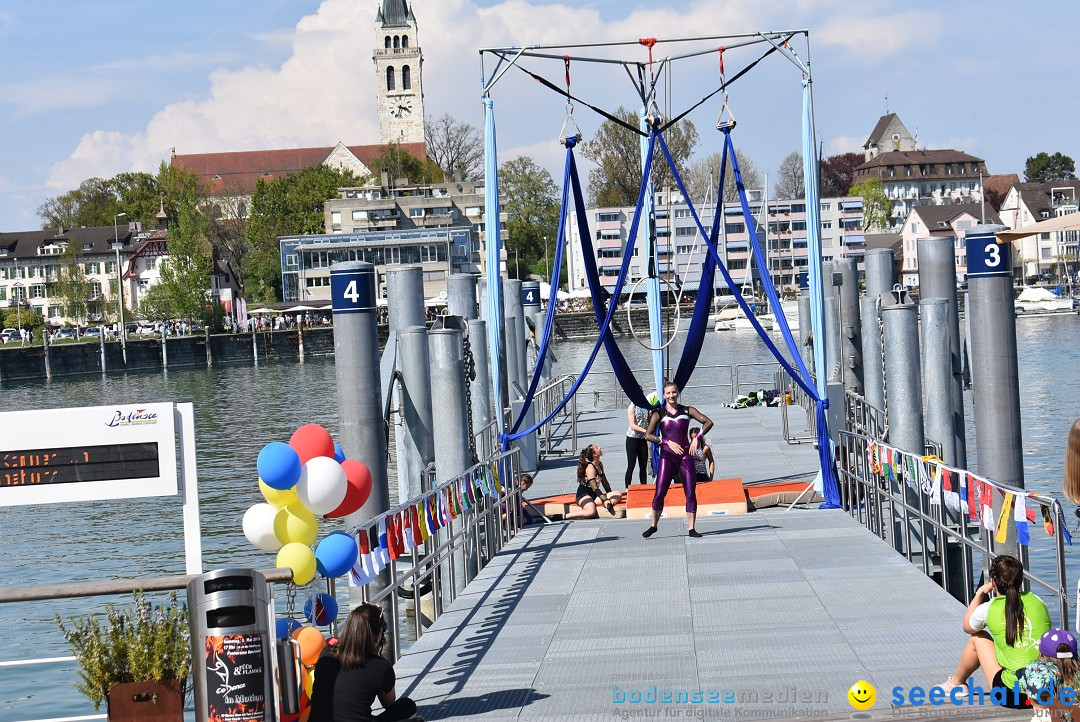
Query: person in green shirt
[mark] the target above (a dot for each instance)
(1005, 631)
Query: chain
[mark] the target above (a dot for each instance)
(290, 599)
(884, 379)
(470, 375)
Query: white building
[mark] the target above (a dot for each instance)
(951, 222)
(1027, 203)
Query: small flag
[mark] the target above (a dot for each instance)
(430, 515)
(414, 524)
(407, 530)
(384, 548)
(373, 542)
(1023, 536)
(498, 481)
(1002, 529)
(361, 573)
(421, 524)
(1048, 521)
(934, 484)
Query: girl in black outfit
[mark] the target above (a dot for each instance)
(351, 675)
(590, 478)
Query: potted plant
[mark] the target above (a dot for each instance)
(136, 659)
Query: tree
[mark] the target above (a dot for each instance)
(616, 179)
(72, 287)
(27, 316)
(93, 203)
(703, 175)
(456, 147)
(877, 208)
(838, 174)
(1045, 168)
(403, 164)
(790, 184)
(184, 289)
(531, 203)
(283, 207)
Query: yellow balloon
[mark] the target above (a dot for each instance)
(309, 681)
(294, 523)
(300, 559)
(278, 497)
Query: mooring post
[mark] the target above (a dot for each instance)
(937, 375)
(164, 347)
(480, 388)
(451, 437)
(904, 401)
(416, 448)
(880, 272)
(45, 350)
(461, 295)
(850, 328)
(359, 399)
(879, 281)
(994, 373)
(405, 309)
(545, 370)
(937, 279)
(101, 339)
(512, 302)
(806, 330)
(209, 351)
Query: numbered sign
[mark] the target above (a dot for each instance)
(352, 287)
(987, 258)
(530, 295)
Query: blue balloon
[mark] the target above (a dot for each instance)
(322, 610)
(279, 465)
(335, 554)
(286, 626)
(339, 453)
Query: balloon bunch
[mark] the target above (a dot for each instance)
(306, 478)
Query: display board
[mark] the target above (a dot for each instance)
(90, 453)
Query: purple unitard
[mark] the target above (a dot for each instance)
(675, 427)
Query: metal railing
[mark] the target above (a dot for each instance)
(734, 377)
(915, 512)
(474, 537)
(794, 395)
(559, 436)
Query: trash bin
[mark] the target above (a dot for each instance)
(230, 646)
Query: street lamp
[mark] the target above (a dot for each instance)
(547, 266)
(120, 287)
(17, 288)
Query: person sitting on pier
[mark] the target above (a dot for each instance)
(676, 454)
(591, 478)
(1056, 668)
(704, 463)
(351, 674)
(1005, 631)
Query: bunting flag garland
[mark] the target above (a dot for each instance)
(1023, 536)
(384, 547)
(408, 530)
(419, 537)
(451, 503)
(430, 515)
(1048, 522)
(361, 572)
(953, 498)
(932, 484)
(376, 557)
(496, 479)
(471, 489)
(1003, 519)
(391, 538)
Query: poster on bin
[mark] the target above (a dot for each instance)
(235, 684)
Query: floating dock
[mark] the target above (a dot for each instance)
(775, 613)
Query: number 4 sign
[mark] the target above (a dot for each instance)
(986, 257)
(352, 287)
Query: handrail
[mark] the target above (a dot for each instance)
(880, 503)
(115, 586)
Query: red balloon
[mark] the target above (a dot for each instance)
(359, 478)
(312, 440)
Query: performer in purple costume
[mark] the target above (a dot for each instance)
(676, 453)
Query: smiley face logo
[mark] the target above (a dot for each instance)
(862, 695)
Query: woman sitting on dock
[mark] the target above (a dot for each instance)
(1005, 631)
(350, 675)
(676, 454)
(590, 478)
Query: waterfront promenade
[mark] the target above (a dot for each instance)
(779, 611)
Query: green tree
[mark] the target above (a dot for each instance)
(702, 176)
(185, 275)
(282, 207)
(93, 203)
(27, 316)
(877, 208)
(400, 163)
(616, 179)
(1046, 168)
(531, 204)
(72, 286)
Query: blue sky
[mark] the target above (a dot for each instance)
(98, 88)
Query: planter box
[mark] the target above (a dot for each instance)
(146, 702)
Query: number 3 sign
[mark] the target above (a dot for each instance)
(986, 257)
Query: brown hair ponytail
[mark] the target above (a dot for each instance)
(1072, 464)
(1007, 574)
(584, 460)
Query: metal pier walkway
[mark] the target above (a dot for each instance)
(780, 612)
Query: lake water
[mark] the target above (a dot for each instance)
(240, 408)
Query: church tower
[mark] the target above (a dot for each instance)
(398, 62)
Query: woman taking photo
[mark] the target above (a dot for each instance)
(350, 675)
(1005, 631)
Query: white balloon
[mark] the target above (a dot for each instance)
(322, 486)
(259, 526)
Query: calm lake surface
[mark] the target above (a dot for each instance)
(240, 408)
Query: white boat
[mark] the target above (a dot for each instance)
(732, 318)
(1040, 301)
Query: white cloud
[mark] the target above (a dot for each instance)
(844, 144)
(876, 38)
(52, 94)
(325, 90)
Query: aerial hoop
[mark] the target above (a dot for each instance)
(678, 313)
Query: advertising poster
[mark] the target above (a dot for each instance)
(235, 683)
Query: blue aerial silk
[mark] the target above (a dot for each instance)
(493, 238)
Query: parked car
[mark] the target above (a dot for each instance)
(146, 328)
(9, 334)
(94, 333)
(65, 334)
